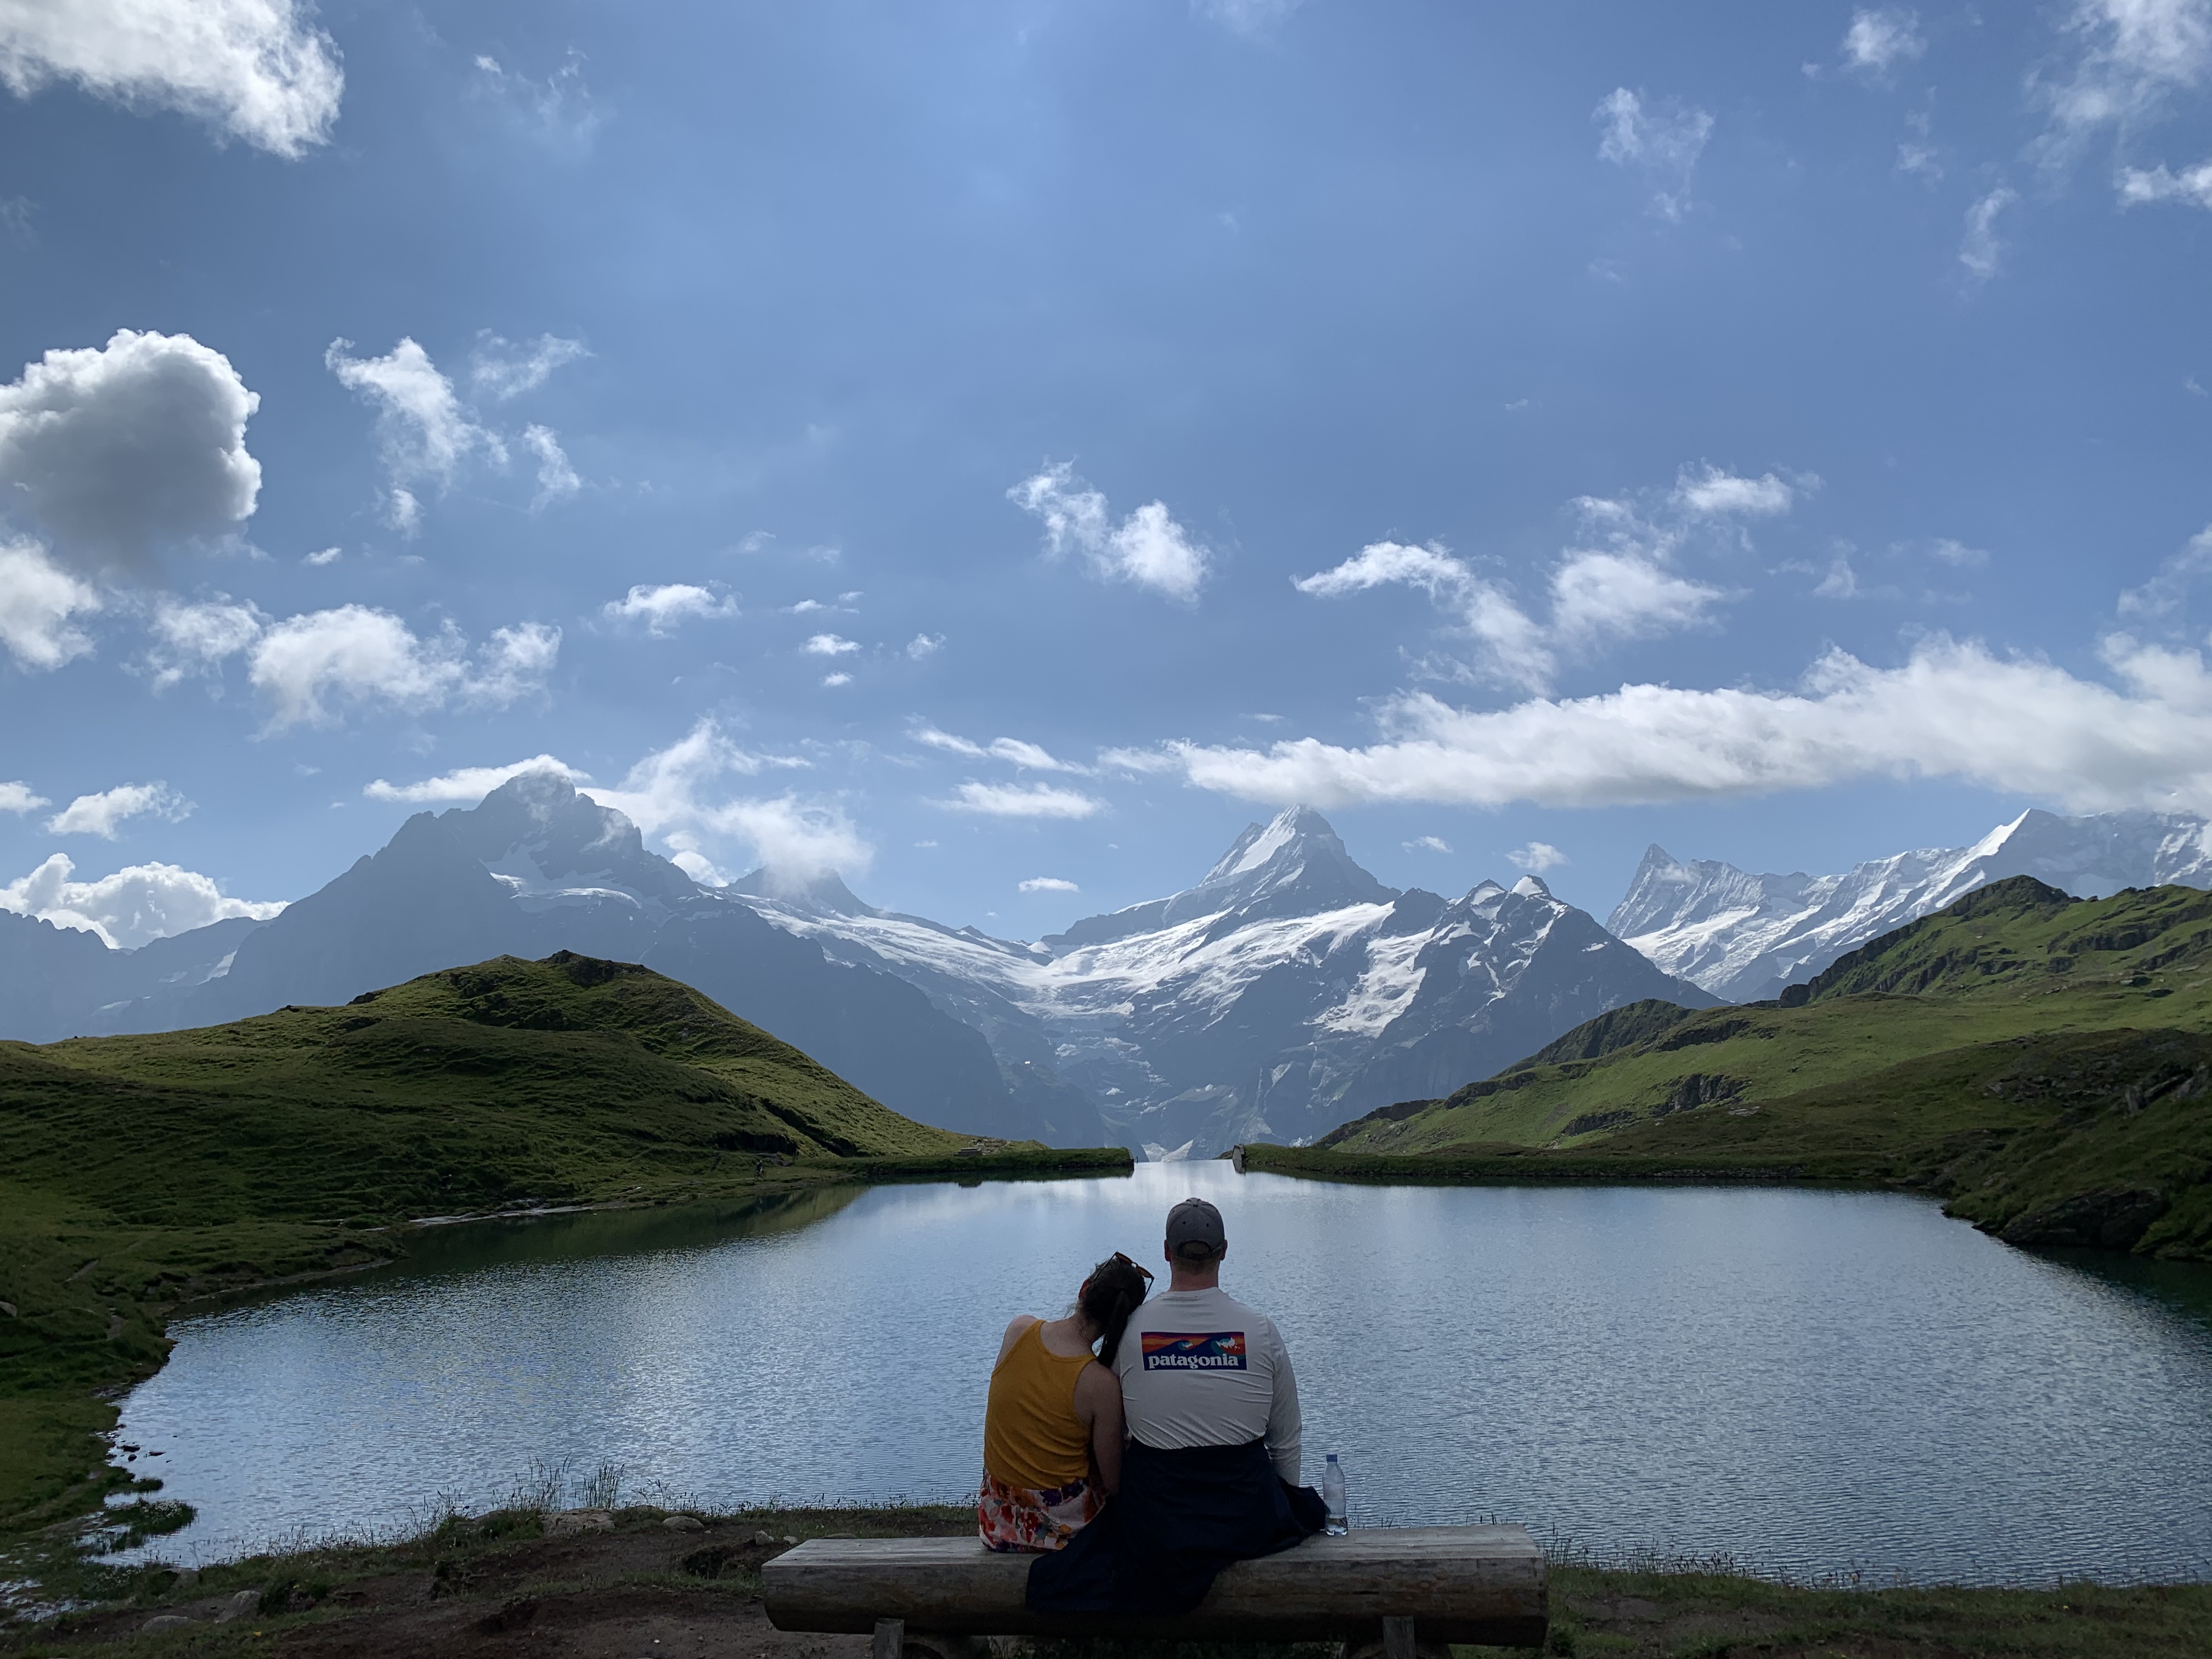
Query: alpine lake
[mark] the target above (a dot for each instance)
(1817, 1383)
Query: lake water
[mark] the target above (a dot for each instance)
(1810, 1381)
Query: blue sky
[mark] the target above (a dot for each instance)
(978, 443)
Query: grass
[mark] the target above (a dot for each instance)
(146, 1172)
(1637, 1609)
(2043, 1062)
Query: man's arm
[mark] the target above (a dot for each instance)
(1285, 1427)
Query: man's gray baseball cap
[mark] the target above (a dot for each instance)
(1196, 1222)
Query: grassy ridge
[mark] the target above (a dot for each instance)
(2042, 1061)
(143, 1172)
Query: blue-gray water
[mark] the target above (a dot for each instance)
(1813, 1382)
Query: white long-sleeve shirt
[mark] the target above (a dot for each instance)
(1199, 1368)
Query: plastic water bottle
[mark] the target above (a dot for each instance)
(1331, 1497)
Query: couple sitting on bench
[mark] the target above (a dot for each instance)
(1138, 1448)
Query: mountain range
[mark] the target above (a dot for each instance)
(1744, 937)
(1286, 991)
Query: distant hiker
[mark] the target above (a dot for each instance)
(1207, 1476)
(1052, 1430)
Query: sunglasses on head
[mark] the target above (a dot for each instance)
(1126, 1262)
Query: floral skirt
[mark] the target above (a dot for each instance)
(1011, 1519)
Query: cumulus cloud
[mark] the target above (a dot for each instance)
(39, 600)
(1427, 844)
(1596, 595)
(829, 644)
(309, 667)
(253, 69)
(924, 645)
(133, 906)
(1014, 751)
(423, 430)
(2191, 186)
(1148, 548)
(1047, 884)
(471, 784)
(1879, 38)
(500, 369)
(19, 798)
(117, 449)
(1979, 250)
(1663, 142)
(836, 679)
(1034, 800)
(1536, 857)
(1716, 494)
(2126, 60)
(1953, 710)
(661, 608)
(557, 479)
(103, 814)
(668, 795)
(196, 639)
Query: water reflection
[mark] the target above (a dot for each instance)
(1823, 1381)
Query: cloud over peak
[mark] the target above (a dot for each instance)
(136, 905)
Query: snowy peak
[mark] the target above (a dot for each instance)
(827, 894)
(544, 840)
(1291, 830)
(1743, 936)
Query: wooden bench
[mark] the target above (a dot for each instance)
(1395, 1589)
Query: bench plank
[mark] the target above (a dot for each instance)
(1457, 1583)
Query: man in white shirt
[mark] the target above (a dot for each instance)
(1199, 1368)
(1207, 1476)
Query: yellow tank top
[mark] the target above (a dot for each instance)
(1031, 1435)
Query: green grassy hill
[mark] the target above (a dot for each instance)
(2045, 1062)
(140, 1171)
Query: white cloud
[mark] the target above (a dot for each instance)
(836, 679)
(1715, 494)
(324, 557)
(1596, 597)
(354, 655)
(1879, 40)
(660, 609)
(1663, 142)
(1047, 884)
(422, 429)
(558, 111)
(2191, 185)
(117, 449)
(38, 599)
(829, 644)
(1148, 548)
(2131, 56)
(1953, 710)
(132, 907)
(1247, 17)
(1013, 751)
(196, 639)
(500, 369)
(254, 69)
(471, 784)
(1536, 857)
(924, 645)
(1979, 250)
(665, 795)
(557, 479)
(1034, 801)
(1427, 844)
(1958, 553)
(17, 797)
(103, 814)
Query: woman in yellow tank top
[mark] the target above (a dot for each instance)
(1052, 1432)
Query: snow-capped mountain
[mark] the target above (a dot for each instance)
(1287, 991)
(1743, 936)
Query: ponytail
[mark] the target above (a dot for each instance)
(1110, 1297)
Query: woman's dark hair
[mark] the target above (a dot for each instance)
(1110, 1295)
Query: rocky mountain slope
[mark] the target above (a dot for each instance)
(1285, 991)
(1743, 936)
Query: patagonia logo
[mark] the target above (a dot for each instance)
(1194, 1351)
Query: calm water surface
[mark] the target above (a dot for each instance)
(1813, 1382)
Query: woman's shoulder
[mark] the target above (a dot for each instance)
(1015, 1327)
